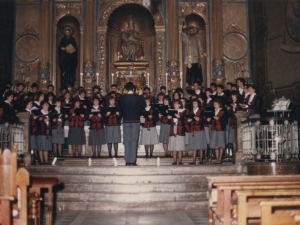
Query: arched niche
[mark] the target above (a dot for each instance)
(75, 24)
(199, 20)
(144, 24)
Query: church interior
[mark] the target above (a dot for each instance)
(218, 135)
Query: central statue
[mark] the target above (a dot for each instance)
(129, 44)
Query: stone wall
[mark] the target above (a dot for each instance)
(275, 49)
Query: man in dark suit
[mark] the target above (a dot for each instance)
(130, 104)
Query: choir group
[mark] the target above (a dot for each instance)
(202, 120)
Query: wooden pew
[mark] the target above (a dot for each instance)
(279, 211)
(248, 202)
(236, 180)
(11, 180)
(227, 199)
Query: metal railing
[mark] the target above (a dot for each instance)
(272, 141)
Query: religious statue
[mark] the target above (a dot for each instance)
(129, 44)
(193, 53)
(67, 58)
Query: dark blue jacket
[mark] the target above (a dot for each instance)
(130, 104)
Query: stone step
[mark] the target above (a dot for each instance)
(137, 188)
(132, 179)
(137, 206)
(137, 170)
(131, 197)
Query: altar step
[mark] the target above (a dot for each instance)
(140, 188)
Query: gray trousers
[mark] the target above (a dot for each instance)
(131, 133)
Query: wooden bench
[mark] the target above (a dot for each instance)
(222, 206)
(279, 211)
(45, 182)
(14, 192)
(249, 202)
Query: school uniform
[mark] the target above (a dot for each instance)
(113, 128)
(58, 128)
(187, 127)
(232, 132)
(177, 133)
(44, 133)
(97, 131)
(9, 114)
(149, 133)
(218, 129)
(253, 106)
(197, 138)
(76, 129)
(164, 129)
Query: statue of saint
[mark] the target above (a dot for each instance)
(67, 58)
(129, 44)
(193, 53)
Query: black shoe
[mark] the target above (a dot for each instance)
(98, 156)
(127, 164)
(146, 156)
(94, 157)
(74, 156)
(110, 156)
(192, 163)
(133, 164)
(151, 156)
(180, 164)
(174, 163)
(116, 156)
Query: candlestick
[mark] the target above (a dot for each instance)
(97, 78)
(148, 75)
(81, 78)
(112, 78)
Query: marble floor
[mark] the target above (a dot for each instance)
(191, 217)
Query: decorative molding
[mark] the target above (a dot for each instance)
(160, 58)
(112, 5)
(28, 1)
(234, 28)
(101, 56)
(29, 30)
(68, 8)
(173, 75)
(193, 7)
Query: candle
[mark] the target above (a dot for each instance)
(81, 78)
(148, 76)
(97, 78)
(112, 78)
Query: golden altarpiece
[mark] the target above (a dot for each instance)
(122, 40)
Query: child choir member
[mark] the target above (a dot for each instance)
(38, 99)
(187, 110)
(112, 126)
(58, 138)
(177, 133)
(164, 125)
(254, 103)
(44, 135)
(232, 109)
(149, 136)
(9, 112)
(97, 131)
(218, 129)
(197, 139)
(76, 135)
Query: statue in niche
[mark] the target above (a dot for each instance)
(67, 58)
(129, 43)
(193, 52)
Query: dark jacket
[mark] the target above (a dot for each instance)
(130, 104)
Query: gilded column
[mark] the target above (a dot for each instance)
(172, 45)
(89, 46)
(217, 41)
(44, 44)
